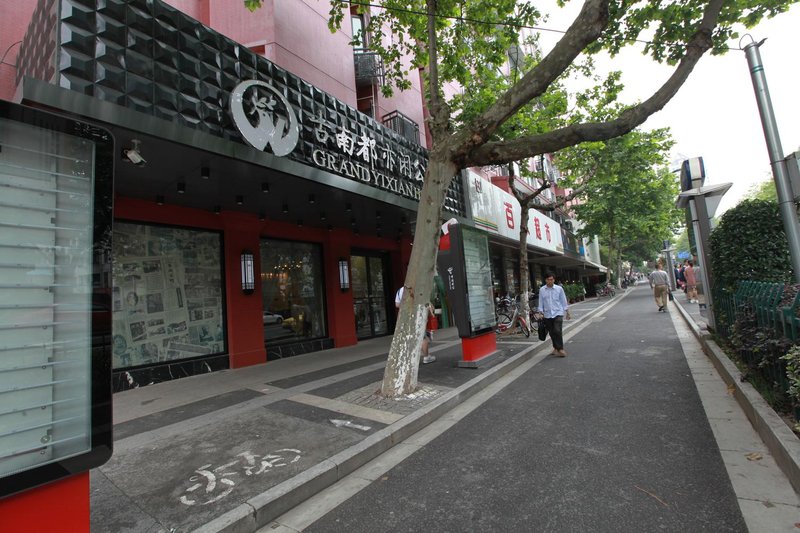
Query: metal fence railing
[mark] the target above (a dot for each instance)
(761, 321)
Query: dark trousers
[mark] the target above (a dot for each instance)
(554, 326)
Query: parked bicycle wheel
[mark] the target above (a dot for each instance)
(503, 322)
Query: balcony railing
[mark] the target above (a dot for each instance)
(402, 125)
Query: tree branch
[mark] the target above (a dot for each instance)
(494, 153)
(562, 200)
(525, 199)
(586, 29)
(438, 109)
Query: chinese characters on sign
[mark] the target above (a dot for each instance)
(360, 157)
(496, 211)
(266, 119)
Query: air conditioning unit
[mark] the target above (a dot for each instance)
(368, 67)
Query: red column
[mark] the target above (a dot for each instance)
(59, 506)
(245, 325)
(341, 319)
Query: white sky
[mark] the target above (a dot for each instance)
(714, 114)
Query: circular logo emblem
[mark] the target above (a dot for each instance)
(261, 120)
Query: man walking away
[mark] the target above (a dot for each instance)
(659, 282)
(553, 306)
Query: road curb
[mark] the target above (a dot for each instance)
(265, 507)
(781, 442)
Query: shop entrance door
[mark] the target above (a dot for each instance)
(370, 303)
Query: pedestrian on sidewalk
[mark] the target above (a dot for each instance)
(398, 297)
(430, 326)
(553, 306)
(691, 281)
(659, 282)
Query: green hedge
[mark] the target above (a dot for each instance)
(749, 243)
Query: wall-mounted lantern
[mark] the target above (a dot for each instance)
(344, 274)
(248, 272)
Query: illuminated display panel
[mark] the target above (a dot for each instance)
(478, 275)
(55, 229)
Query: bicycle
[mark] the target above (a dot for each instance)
(606, 290)
(506, 322)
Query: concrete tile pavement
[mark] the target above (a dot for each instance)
(233, 450)
(758, 449)
(230, 450)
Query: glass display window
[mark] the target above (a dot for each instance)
(479, 280)
(292, 291)
(369, 295)
(167, 296)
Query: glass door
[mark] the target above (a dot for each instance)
(369, 295)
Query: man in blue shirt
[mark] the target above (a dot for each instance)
(553, 306)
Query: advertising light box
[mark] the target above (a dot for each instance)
(55, 237)
(466, 271)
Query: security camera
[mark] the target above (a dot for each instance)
(133, 155)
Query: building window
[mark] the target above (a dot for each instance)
(167, 295)
(359, 34)
(293, 291)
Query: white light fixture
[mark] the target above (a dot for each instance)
(133, 154)
(248, 272)
(344, 274)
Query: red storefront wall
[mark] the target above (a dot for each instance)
(59, 506)
(67, 500)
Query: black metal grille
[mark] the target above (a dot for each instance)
(402, 125)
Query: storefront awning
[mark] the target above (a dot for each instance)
(566, 261)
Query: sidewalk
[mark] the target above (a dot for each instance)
(231, 450)
(779, 439)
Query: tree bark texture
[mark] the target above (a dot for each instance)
(400, 376)
(524, 276)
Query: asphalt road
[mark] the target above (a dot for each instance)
(611, 438)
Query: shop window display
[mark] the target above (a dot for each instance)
(167, 294)
(293, 295)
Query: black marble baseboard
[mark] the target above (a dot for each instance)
(140, 377)
(283, 351)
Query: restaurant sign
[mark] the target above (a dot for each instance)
(266, 119)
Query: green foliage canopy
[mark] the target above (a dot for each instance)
(629, 201)
(763, 191)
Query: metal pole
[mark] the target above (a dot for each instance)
(701, 241)
(670, 267)
(777, 162)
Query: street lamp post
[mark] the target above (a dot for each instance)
(778, 163)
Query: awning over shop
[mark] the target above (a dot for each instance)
(577, 263)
